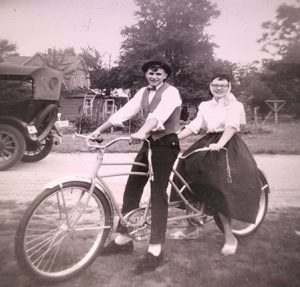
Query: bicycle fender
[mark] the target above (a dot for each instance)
(64, 179)
(263, 175)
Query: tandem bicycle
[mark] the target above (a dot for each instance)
(64, 228)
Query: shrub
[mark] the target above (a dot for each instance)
(294, 109)
(134, 123)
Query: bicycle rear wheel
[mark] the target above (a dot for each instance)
(240, 228)
(53, 242)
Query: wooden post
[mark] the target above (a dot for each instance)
(255, 117)
(275, 108)
(276, 112)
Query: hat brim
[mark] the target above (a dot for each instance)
(164, 65)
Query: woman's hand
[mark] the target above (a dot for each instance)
(215, 146)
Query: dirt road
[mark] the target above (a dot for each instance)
(276, 261)
(25, 180)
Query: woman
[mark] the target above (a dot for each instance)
(226, 179)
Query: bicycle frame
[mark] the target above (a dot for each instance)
(96, 177)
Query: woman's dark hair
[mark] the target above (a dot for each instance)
(221, 76)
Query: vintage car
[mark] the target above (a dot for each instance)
(29, 98)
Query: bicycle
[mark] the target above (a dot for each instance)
(64, 228)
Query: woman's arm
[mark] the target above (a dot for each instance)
(226, 136)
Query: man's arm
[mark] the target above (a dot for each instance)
(144, 131)
(97, 132)
(126, 112)
(185, 133)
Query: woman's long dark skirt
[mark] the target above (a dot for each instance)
(230, 186)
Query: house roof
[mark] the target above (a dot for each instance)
(19, 60)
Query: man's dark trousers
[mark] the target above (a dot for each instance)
(164, 153)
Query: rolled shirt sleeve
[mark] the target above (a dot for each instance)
(236, 115)
(197, 123)
(170, 100)
(132, 107)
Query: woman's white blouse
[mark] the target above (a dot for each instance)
(215, 116)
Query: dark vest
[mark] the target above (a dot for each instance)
(171, 125)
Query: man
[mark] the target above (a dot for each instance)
(160, 103)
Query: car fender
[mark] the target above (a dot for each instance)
(18, 124)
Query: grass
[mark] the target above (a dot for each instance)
(283, 138)
(268, 258)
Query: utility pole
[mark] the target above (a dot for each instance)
(275, 106)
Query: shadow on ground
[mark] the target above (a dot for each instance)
(268, 258)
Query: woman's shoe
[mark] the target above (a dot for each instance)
(230, 249)
(179, 235)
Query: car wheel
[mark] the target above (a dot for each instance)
(45, 121)
(38, 150)
(12, 146)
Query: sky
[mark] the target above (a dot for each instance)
(36, 25)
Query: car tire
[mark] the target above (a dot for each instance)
(38, 150)
(12, 146)
(45, 121)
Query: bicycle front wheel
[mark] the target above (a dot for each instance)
(240, 228)
(62, 230)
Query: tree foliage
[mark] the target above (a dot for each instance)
(7, 49)
(174, 29)
(93, 61)
(56, 59)
(282, 37)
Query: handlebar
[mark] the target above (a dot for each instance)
(103, 147)
(99, 140)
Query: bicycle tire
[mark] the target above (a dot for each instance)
(50, 245)
(243, 229)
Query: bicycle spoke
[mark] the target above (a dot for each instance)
(41, 244)
(54, 256)
(42, 256)
(36, 237)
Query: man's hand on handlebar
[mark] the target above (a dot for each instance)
(95, 136)
(137, 137)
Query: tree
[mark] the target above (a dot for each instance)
(253, 89)
(56, 59)
(7, 49)
(282, 37)
(173, 29)
(93, 61)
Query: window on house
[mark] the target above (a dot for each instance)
(109, 106)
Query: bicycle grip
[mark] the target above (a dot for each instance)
(97, 140)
